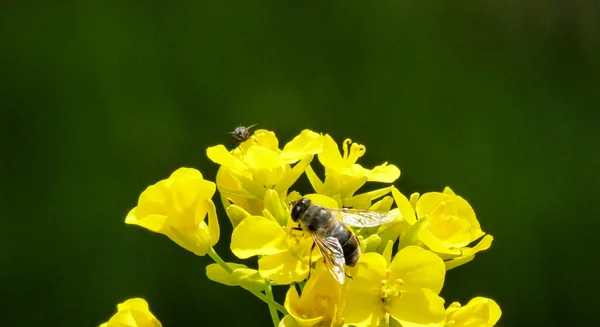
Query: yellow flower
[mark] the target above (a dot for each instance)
(133, 313)
(176, 207)
(479, 312)
(257, 165)
(343, 176)
(447, 225)
(284, 252)
(321, 302)
(407, 289)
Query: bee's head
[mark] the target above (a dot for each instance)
(298, 208)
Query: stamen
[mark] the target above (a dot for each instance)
(356, 151)
(345, 147)
(439, 209)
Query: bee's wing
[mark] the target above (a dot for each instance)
(363, 217)
(333, 255)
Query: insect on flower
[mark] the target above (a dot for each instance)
(329, 230)
(241, 134)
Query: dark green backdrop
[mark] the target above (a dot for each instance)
(497, 99)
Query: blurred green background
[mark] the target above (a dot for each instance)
(99, 99)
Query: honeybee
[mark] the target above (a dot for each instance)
(329, 229)
(241, 134)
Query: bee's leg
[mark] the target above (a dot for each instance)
(345, 273)
(299, 228)
(310, 260)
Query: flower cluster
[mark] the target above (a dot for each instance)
(402, 265)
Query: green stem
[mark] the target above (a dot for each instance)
(269, 301)
(272, 310)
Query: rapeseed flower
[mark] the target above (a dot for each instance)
(133, 313)
(255, 182)
(406, 288)
(321, 302)
(177, 207)
(343, 176)
(258, 165)
(479, 312)
(447, 225)
(284, 252)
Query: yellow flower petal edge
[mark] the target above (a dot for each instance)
(283, 268)
(418, 308)
(292, 301)
(322, 300)
(134, 312)
(418, 268)
(468, 254)
(257, 235)
(177, 207)
(480, 311)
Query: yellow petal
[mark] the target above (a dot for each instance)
(384, 174)
(412, 236)
(364, 200)
(384, 204)
(453, 231)
(260, 157)
(348, 184)
(283, 268)
(372, 242)
(230, 185)
(314, 180)
(290, 176)
(414, 198)
(292, 302)
(418, 268)
(468, 254)
(254, 189)
(330, 156)
(390, 232)
(133, 312)
(479, 311)
(387, 252)
(154, 223)
(418, 308)
(448, 190)
(274, 205)
(321, 295)
(219, 154)
(434, 243)
(322, 200)
(257, 235)
(293, 196)
(213, 223)
(288, 321)
(216, 273)
(266, 139)
(197, 242)
(236, 214)
(453, 206)
(308, 142)
(406, 210)
(363, 301)
(495, 312)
